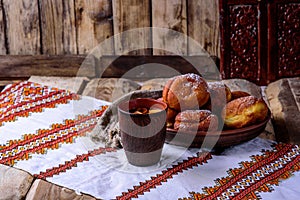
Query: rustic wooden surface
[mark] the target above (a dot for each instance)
(42, 189)
(94, 24)
(78, 26)
(155, 66)
(18, 66)
(172, 16)
(58, 27)
(22, 66)
(284, 98)
(14, 183)
(127, 15)
(203, 26)
(2, 32)
(22, 24)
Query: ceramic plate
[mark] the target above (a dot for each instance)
(221, 139)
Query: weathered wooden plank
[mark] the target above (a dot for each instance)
(22, 22)
(58, 27)
(2, 32)
(145, 67)
(94, 25)
(203, 26)
(15, 183)
(129, 15)
(284, 100)
(172, 15)
(43, 65)
(42, 189)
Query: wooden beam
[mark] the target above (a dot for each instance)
(146, 67)
(43, 65)
(135, 67)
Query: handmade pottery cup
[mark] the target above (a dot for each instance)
(142, 123)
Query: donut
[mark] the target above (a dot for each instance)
(237, 94)
(184, 92)
(220, 94)
(244, 111)
(196, 120)
(171, 114)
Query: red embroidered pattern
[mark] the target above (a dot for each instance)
(49, 138)
(73, 163)
(255, 176)
(14, 87)
(23, 98)
(166, 174)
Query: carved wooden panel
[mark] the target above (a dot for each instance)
(288, 22)
(243, 41)
(260, 40)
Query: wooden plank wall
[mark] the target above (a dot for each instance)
(22, 26)
(58, 33)
(58, 27)
(2, 31)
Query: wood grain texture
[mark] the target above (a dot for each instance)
(129, 15)
(94, 25)
(284, 99)
(41, 189)
(170, 14)
(158, 66)
(15, 183)
(23, 31)
(203, 26)
(58, 27)
(12, 66)
(2, 31)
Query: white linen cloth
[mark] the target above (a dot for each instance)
(80, 164)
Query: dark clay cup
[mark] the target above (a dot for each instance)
(142, 135)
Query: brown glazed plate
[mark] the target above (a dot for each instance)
(221, 139)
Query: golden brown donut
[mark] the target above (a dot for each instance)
(244, 111)
(171, 114)
(193, 120)
(220, 94)
(237, 94)
(219, 88)
(183, 92)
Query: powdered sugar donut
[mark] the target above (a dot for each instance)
(196, 120)
(183, 92)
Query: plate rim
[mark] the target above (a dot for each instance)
(228, 132)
